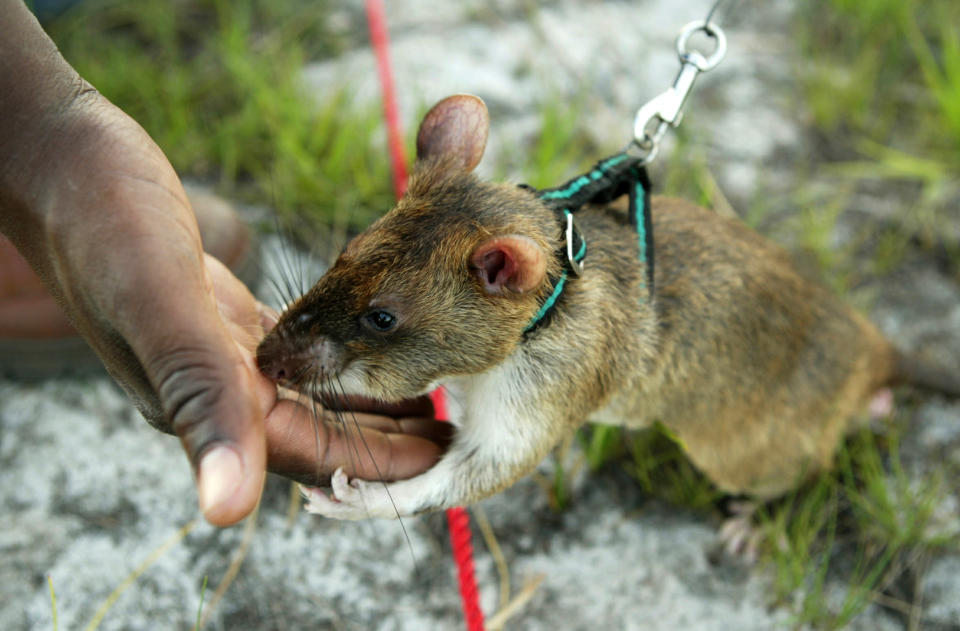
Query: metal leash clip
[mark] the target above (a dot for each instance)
(666, 109)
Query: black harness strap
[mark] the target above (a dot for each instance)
(621, 174)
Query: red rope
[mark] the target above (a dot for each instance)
(458, 521)
(381, 48)
(439, 399)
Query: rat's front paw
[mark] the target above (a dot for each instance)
(350, 499)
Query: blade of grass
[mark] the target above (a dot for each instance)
(203, 592)
(53, 603)
(136, 573)
(249, 530)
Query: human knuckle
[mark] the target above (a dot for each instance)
(190, 390)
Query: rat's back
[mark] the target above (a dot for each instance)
(758, 371)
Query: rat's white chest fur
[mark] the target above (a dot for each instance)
(497, 437)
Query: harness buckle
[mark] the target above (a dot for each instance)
(573, 234)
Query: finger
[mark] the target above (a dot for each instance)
(237, 305)
(234, 300)
(421, 406)
(306, 448)
(268, 316)
(439, 432)
(403, 417)
(239, 310)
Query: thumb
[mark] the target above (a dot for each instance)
(206, 392)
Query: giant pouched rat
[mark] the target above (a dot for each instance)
(756, 370)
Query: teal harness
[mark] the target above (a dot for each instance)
(621, 174)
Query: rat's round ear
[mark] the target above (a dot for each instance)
(509, 264)
(455, 129)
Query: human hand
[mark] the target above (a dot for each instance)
(96, 209)
(123, 255)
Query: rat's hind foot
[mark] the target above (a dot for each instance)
(739, 538)
(350, 499)
(881, 404)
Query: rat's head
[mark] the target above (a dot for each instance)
(444, 284)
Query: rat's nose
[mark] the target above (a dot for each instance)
(279, 366)
(285, 363)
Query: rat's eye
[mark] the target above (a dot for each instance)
(380, 321)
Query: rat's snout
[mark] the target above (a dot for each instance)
(277, 363)
(279, 368)
(285, 363)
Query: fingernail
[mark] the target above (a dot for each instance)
(221, 473)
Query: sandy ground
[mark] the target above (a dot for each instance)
(88, 491)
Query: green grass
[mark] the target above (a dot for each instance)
(863, 528)
(203, 593)
(53, 604)
(216, 84)
(867, 526)
(561, 149)
(886, 69)
(882, 85)
(659, 465)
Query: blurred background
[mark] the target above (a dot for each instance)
(833, 127)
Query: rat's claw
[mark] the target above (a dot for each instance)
(317, 500)
(739, 538)
(343, 490)
(349, 499)
(319, 503)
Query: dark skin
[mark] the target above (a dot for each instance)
(95, 208)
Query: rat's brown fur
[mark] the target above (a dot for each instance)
(758, 371)
(417, 258)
